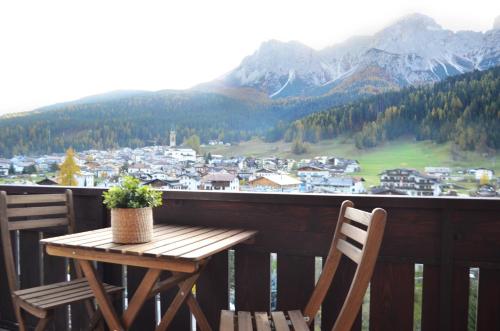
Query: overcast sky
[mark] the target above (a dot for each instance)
(53, 51)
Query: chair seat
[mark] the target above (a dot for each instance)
(293, 320)
(58, 294)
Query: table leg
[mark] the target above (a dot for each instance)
(183, 293)
(140, 296)
(200, 317)
(102, 298)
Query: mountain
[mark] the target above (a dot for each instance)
(415, 50)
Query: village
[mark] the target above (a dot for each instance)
(182, 168)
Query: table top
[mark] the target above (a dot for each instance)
(193, 243)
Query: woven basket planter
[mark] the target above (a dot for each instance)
(132, 225)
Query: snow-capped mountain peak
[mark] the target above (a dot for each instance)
(413, 50)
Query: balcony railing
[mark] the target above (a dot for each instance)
(447, 235)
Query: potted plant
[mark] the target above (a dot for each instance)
(132, 210)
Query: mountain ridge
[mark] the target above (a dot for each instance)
(414, 50)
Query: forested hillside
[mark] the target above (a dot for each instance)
(464, 109)
(145, 119)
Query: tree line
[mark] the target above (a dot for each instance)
(463, 109)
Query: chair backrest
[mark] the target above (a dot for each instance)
(358, 236)
(29, 212)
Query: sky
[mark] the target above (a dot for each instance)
(59, 50)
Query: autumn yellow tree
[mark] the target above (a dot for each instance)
(484, 179)
(69, 169)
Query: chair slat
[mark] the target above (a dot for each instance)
(244, 321)
(262, 322)
(34, 224)
(359, 216)
(35, 198)
(354, 233)
(297, 319)
(348, 249)
(226, 320)
(36, 211)
(280, 322)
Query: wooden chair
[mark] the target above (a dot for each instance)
(28, 212)
(358, 236)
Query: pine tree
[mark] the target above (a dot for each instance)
(68, 169)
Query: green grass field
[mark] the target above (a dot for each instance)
(396, 154)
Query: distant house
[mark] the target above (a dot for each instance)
(264, 172)
(4, 168)
(347, 185)
(281, 183)
(438, 172)
(307, 173)
(174, 184)
(47, 181)
(480, 172)
(410, 181)
(139, 168)
(220, 182)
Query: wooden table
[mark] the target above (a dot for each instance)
(183, 250)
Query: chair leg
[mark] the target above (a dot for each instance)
(19, 316)
(42, 322)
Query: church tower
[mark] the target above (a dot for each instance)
(172, 138)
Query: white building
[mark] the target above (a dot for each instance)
(85, 179)
(220, 182)
(410, 181)
(181, 154)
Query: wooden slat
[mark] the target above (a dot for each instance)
(55, 286)
(295, 281)
(34, 224)
(262, 321)
(354, 233)
(145, 319)
(68, 294)
(219, 246)
(488, 317)
(81, 239)
(227, 320)
(200, 244)
(280, 322)
(392, 294)
(73, 235)
(159, 233)
(54, 289)
(252, 293)
(297, 320)
(244, 321)
(70, 298)
(36, 211)
(430, 298)
(163, 250)
(35, 198)
(358, 216)
(348, 249)
(212, 290)
(336, 294)
(162, 240)
(460, 299)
